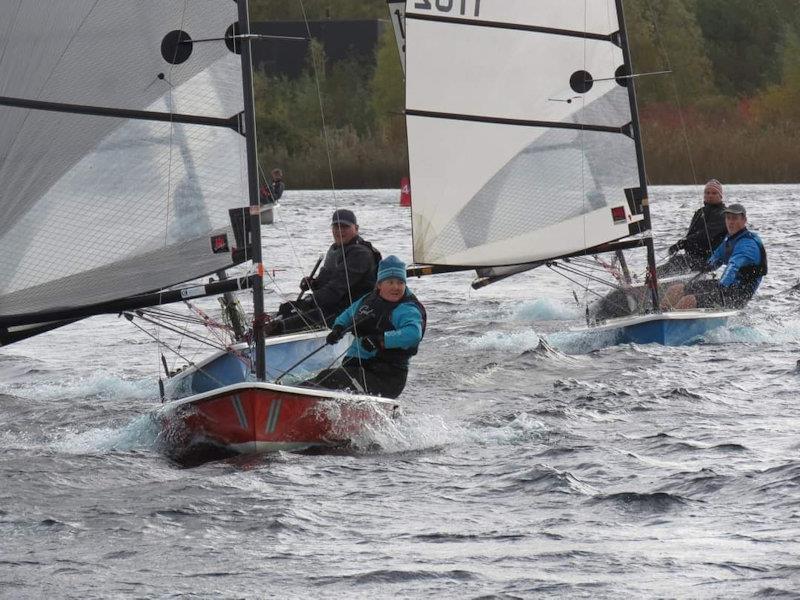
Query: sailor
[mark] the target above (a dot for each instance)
(746, 258)
(271, 192)
(388, 324)
(347, 274)
(706, 232)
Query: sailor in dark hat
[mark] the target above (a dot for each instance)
(347, 274)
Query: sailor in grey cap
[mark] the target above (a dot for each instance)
(745, 257)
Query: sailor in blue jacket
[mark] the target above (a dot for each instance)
(389, 324)
(746, 258)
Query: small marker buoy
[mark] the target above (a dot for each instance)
(405, 192)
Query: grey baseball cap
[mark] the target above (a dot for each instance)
(736, 209)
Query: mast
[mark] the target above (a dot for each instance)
(652, 280)
(252, 180)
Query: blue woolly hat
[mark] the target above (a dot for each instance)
(391, 266)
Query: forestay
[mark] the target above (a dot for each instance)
(97, 208)
(522, 144)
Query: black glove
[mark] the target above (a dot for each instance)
(679, 245)
(372, 343)
(306, 283)
(336, 334)
(286, 309)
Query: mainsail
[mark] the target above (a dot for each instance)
(523, 139)
(120, 150)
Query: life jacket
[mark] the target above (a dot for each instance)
(747, 277)
(377, 257)
(364, 287)
(374, 317)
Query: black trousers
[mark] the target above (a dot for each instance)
(305, 317)
(373, 377)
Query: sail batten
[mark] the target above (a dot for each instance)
(625, 129)
(104, 111)
(521, 140)
(514, 27)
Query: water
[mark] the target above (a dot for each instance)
(519, 471)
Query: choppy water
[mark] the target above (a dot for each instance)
(579, 472)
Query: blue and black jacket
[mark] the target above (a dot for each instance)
(402, 325)
(746, 260)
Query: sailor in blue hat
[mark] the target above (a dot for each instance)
(388, 324)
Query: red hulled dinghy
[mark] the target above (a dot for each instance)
(253, 418)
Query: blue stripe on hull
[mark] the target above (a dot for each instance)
(669, 332)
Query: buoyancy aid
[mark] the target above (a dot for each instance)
(747, 278)
(374, 316)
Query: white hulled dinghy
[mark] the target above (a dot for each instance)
(524, 145)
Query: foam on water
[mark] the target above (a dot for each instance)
(139, 434)
(547, 309)
(98, 385)
(581, 342)
(517, 342)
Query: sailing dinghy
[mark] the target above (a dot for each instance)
(129, 142)
(525, 147)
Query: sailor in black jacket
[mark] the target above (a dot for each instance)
(347, 274)
(706, 232)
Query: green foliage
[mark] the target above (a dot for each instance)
(387, 89)
(744, 38)
(665, 36)
(315, 10)
(780, 103)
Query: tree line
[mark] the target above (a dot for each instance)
(729, 109)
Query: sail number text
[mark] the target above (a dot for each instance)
(448, 6)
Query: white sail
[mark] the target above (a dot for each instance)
(397, 14)
(520, 140)
(95, 208)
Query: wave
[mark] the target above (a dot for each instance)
(654, 502)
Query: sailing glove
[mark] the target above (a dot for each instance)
(372, 343)
(677, 246)
(336, 334)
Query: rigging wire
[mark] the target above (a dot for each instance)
(330, 169)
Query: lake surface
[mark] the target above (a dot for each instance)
(581, 471)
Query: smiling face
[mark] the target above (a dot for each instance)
(392, 289)
(343, 233)
(735, 223)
